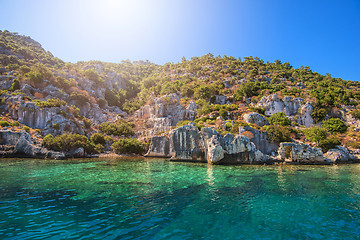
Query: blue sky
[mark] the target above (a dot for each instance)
(324, 35)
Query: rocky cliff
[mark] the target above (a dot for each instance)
(290, 106)
(187, 143)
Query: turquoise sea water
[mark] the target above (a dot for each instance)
(158, 199)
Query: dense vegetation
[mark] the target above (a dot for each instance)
(221, 86)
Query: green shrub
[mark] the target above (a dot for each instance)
(121, 128)
(4, 124)
(279, 119)
(257, 109)
(131, 145)
(87, 123)
(277, 133)
(80, 98)
(329, 143)
(223, 113)
(26, 128)
(15, 85)
(15, 124)
(316, 134)
(92, 75)
(68, 142)
(335, 125)
(98, 138)
(353, 144)
(355, 114)
(318, 114)
(54, 102)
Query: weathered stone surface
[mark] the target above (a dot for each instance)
(159, 147)
(302, 153)
(304, 117)
(77, 153)
(273, 104)
(163, 113)
(339, 155)
(187, 143)
(20, 144)
(260, 139)
(255, 118)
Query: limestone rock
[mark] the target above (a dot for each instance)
(159, 147)
(304, 117)
(77, 153)
(339, 155)
(187, 143)
(255, 118)
(302, 153)
(260, 139)
(273, 104)
(15, 144)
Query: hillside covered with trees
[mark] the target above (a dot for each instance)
(101, 107)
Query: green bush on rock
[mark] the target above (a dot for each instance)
(279, 119)
(131, 145)
(335, 125)
(68, 142)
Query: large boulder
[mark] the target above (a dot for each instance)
(260, 139)
(164, 112)
(339, 155)
(304, 118)
(301, 153)
(273, 104)
(20, 144)
(187, 143)
(255, 118)
(159, 147)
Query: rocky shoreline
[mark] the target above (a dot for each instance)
(188, 143)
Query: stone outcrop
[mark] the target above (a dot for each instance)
(260, 139)
(163, 113)
(273, 104)
(302, 153)
(16, 144)
(160, 147)
(187, 143)
(255, 118)
(340, 155)
(304, 117)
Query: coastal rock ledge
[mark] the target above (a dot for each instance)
(20, 144)
(187, 143)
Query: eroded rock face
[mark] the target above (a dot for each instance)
(187, 143)
(13, 144)
(160, 147)
(163, 113)
(260, 139)
(302, 153)
(304, 117)
(340, 155)
(273, 104)
(255, 118)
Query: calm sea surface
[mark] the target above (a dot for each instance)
(158, 199)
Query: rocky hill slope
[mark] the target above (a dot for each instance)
(232, 110)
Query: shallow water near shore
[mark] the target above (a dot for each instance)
(144, 198)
